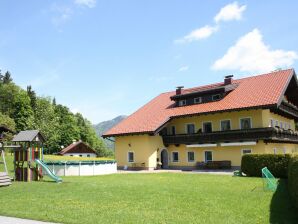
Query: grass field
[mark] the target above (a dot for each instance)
(149, 198)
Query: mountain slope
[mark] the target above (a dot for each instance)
(102, 127)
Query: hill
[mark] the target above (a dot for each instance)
(102, 127)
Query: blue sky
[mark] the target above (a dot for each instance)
(107, 58)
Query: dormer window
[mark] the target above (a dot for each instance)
(182, 103)
(216, 97)
(197, 100)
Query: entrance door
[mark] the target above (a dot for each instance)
(164, 159)
(208, 156)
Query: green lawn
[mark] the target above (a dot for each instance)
(148, 198)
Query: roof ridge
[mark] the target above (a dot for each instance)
(235, 80)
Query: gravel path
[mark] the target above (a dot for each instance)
(11, 220)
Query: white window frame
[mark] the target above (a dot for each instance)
(251, 124)
(194, 157)
(205, 155)
(225, 120)
(173, 157)
(182, 104)
(200, 101)
(274, 151)
(242, 151)
(133, 156)
(204, 122)
(214, 96)
(186, 130)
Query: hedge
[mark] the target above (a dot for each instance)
(293, 180)
(252, 164)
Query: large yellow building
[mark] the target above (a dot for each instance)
(211, 125)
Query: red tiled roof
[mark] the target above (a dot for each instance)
(255, 91)
(77, 147)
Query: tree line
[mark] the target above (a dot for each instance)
(23, 110)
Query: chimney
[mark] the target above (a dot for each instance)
(179, 90)
(228, 79)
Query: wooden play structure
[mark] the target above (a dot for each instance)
(5, 180)
(28, 149)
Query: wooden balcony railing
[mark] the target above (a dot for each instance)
(253, 134)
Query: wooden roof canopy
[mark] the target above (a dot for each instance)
(29, 136)
(77, 147)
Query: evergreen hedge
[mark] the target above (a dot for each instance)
(252, 164)
(293, 179)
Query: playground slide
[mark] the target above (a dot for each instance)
(49, 172)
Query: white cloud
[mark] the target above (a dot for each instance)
(229, 12)
(198, 34)
(251, 54)
(61, 14)
(86, 3)
(183, 68)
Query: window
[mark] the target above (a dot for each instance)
(276, 124)
(285, 150)
(286, 126)
(216, 97)
(190, 156)
(130, 157)
(245, 123)
(182, 102)
(80, 155)
(207, 127)
(275, 151)
(281, 125)
(190, 128)
(225, 125)
(198, 100)
(88, 155)
(271, 123)
(246, 151)
(173, 130)
(175, 156)
(208, 156)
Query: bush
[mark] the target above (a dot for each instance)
(293, 179)
(252, 164)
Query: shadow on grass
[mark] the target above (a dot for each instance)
(281, 208)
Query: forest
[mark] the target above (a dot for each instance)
(24, 110)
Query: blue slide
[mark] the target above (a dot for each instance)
(48, 171)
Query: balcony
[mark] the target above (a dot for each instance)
(253, 134)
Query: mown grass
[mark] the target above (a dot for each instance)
(147, 198)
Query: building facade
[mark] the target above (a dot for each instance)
(217, 122)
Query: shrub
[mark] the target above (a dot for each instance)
(252, 164)
(293, 179)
